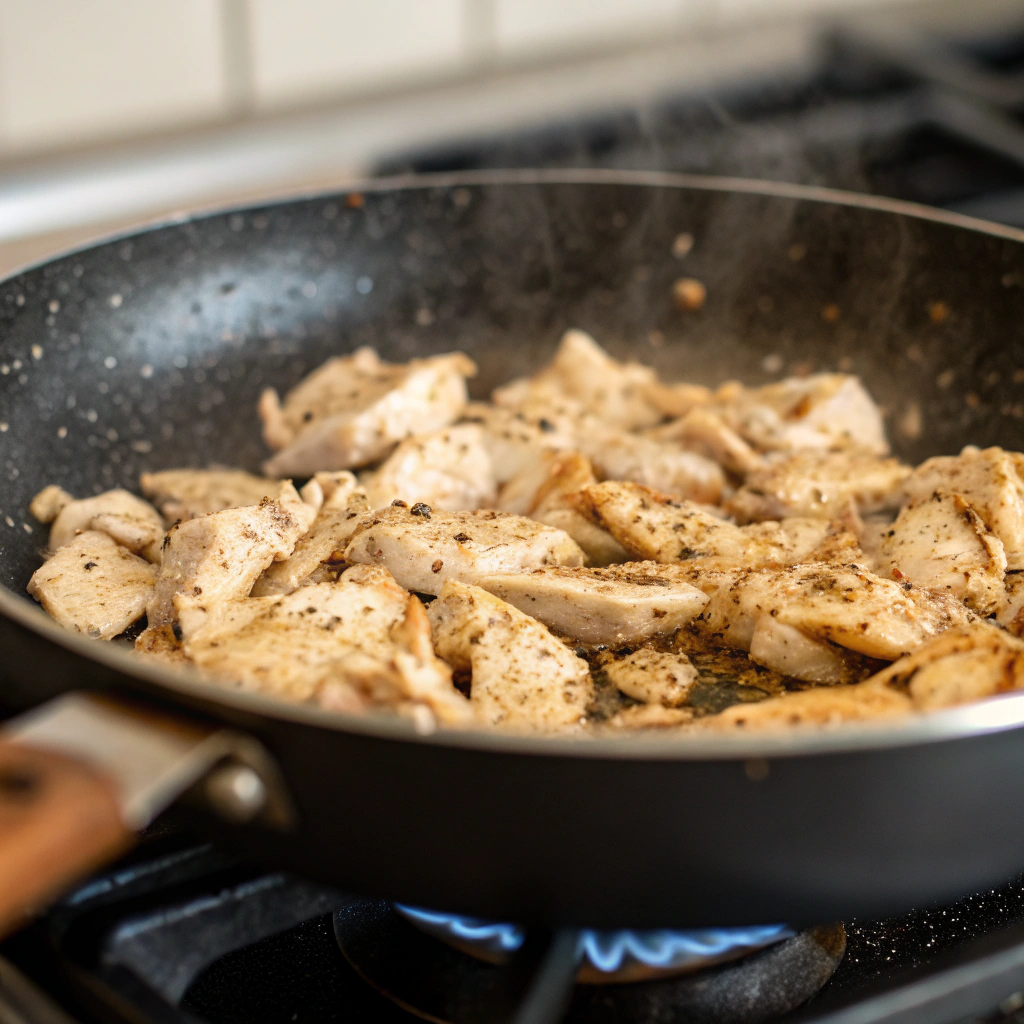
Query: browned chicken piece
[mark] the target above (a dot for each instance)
(544, 493)
(677, 400)
(840, 604)
(182, 494)
(614, 605)
(583, 371)
(821, 707)
(516, 441)
(940, 542)
(820, 485)
(654, 526)
(324, 543)
(704, 431)
(92, 585)
(129, 520)
(220, 556)
(616, 455)
(650, 716)
(423, 548)
(448, 469)
(522, 677)
(1011, 611)
(159, 643)
(47, 504)
(357, 643)
(989, 481)
(650, 676)
(791, 652)
(960, 666)
(823, 412)
(354, 409)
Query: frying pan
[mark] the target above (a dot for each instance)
(149, 352)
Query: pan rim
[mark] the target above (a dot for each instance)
(995, 715)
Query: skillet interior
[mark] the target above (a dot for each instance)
(150, 351)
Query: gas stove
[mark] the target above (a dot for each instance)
(178, 933)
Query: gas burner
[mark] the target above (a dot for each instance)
(605, 957)
(484, 973)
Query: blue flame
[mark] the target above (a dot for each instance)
(611, 951)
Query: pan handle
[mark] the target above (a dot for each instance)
(80, 775)
(59, 819)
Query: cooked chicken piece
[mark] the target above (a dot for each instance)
(871, 534)
(49, 502)
(650, 676)
(324, 544)
(819, 484)
(1011, 611)
(941, 543)
(160, 643)
(677, 400)
(544, 493)
(449, 469)
(93, 585)
(360, 642)
(820, 707)
(824, 412)
(989, 482)
(793, 653)
(522, 676)
(516, 441)
(182, 494)
(614, 605)
(220, 556)
(129, 520)
(582, 370)
(650, 716)
(841, 604)
(354, 409)
(423, 549)
(958, 667)
(664, 529)
(705, 432)
(616, 455)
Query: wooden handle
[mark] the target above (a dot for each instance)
(58, 820)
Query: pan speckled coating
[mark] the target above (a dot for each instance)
(149, 352)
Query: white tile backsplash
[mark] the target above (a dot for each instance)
(316, 48)
(75, 70)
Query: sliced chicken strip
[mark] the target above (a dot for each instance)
(129, 520)
(324, 543)
(182, 494)
(357, 643)
(821, 485)
(220, 556)
(1011, 611)
(617, 455)
(941, 543)
(47, 504)
(841, 604)
(654, 526)
(824, 412)
(516, 441)
(960, 666)
(449, 469)
(92, 585)
(821, 707)
(650, 716)
(677, 400)
(522, 676)
(545, 492)
(614, 605)
(989, 482)
(423, 548)
(650, 676)
(790, 652)
(353, 410)
(583, 371)
(705, 432)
